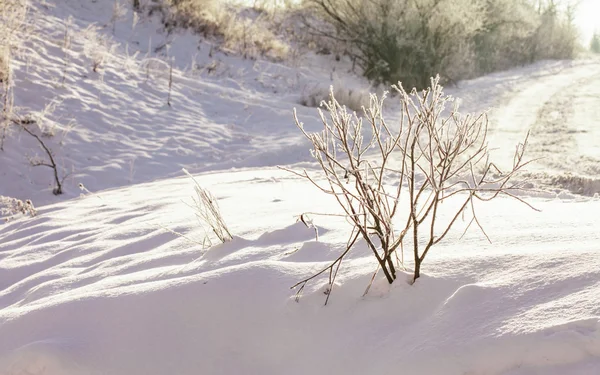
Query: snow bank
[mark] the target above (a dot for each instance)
(96, 286)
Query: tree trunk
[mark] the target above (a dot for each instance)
(417, 273)
(386, 272)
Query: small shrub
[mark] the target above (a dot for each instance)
(9, 207)
(434, 155)
(97, 47)
(352, 99)
(29, 125)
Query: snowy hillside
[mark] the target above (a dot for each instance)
(100, 284)
(113, 127)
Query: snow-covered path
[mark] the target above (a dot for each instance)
(561, 109)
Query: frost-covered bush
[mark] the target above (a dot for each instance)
(555, 36)
(97, 47)
(412, 40)
(9, 207)
(404, 40)
(394, 181)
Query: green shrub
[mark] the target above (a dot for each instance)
(411, 40)
(595, 44)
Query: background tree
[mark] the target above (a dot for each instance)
(595, 44)
(412, 40)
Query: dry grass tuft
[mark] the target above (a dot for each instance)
(208, 213)
(244, 31)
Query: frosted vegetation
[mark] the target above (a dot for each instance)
(395, 40)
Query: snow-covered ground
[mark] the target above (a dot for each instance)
(96, 285)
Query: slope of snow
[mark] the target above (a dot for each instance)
(114, 127)
(96, 285)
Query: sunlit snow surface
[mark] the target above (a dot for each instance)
(96, 285)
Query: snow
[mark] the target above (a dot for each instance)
(95, 284)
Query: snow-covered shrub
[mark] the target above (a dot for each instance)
(9, 207)
(13, 14)
(352, 99)
(97, 46)
(412, 40)
(6, 96)
(404, 40)
(388, 174)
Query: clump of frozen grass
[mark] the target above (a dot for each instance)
(208, 213)
(13, 15)
(9, 207)
(4, 64)
(154, 67)
(97, 47)
(157, 67)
